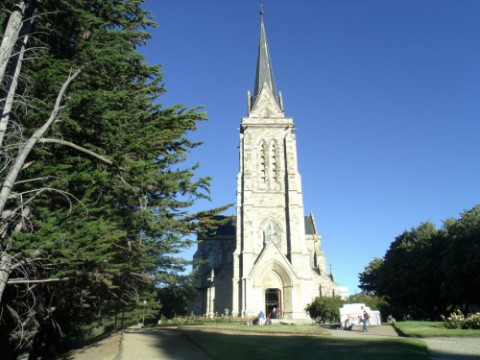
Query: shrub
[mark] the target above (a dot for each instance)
(325, 309)
(457, 320)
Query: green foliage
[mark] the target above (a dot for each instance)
(461, 259)
(325, 309)
(374, 302)
(174, 297)
(457, 320)
(369, 277)
(110, 231)
(428, 272)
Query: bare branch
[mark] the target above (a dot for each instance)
(17, 281)
(27, 148)
(77, 147)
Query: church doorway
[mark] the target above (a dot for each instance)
(273, 303)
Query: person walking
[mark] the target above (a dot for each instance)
(261, 318)
(365, 318)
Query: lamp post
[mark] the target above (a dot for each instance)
(143, 313)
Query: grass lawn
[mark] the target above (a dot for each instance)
(240, 346)
(282, 329)
(431, 329)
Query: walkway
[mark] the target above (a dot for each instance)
(144, 344)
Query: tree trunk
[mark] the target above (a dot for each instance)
(12, 87)
(24, 151)
(28, 146)
(10, 36)
(5, 270)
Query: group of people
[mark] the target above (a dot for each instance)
(267, 321)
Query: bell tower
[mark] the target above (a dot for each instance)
(269, 256)
(270, 232)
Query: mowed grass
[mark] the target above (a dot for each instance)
(263, 347)
(281, 329)
(431, 329)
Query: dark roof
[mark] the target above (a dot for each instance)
(309, 226)
(264, 72)
(229, 228)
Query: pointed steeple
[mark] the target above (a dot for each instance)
(264, 74)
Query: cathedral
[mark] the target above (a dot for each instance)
(269, 256)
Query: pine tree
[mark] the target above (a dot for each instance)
(107, 193)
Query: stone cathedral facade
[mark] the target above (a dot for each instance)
(269, 255)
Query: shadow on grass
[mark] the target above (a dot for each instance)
(238, 347)
(94, 342)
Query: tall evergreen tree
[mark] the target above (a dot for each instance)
(107, 193)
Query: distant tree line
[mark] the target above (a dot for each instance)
(95, 196)
(428, 272)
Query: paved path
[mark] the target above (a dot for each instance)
(144, 344)
(159, 344)
(106, 349)
(459, 348)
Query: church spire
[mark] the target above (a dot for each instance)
(264, 74)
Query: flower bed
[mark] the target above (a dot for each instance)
(457, 320)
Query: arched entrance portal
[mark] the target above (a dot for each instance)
(273, 303)
(274, 284)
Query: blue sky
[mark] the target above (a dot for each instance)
(385, 95)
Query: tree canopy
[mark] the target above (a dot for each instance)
(426, 271)
(100, 208)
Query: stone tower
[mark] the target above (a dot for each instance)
(277, 259)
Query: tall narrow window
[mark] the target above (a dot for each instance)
(263, 155)
(274, 163)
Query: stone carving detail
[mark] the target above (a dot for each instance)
(266, 105)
